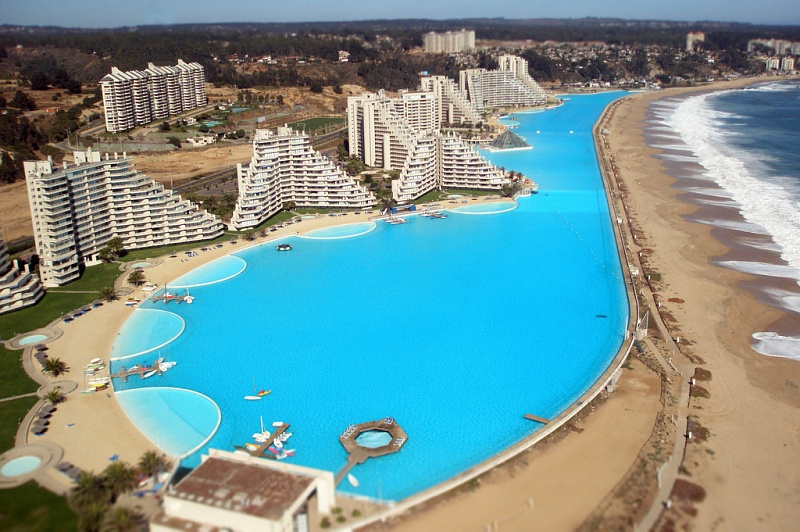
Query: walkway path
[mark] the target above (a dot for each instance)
(32, 394)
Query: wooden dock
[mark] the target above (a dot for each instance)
(262, 449)
(539, 419)
(140, 371)
(357, 454)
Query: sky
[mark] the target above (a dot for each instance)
(117, 13)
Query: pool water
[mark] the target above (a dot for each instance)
(20, 466)
(339, 231)
(454, 327)
(140, 265)
(32, 339)
(374, 438)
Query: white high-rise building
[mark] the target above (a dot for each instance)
(454, 108)
(18, 287)
(382, 137)
(509, 86)
(693, 38)
(285, 168)
(135, 97)
(449, 42)
(787, 64)
(78, 208)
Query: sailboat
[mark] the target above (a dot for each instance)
(352, 480)
(257, 395)
(188, 297)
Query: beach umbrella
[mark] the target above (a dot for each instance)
(42, 415)
(41, 347)
(64, 466)
(73, 472)
(47, 408)
(37, 429)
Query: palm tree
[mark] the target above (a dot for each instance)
(54, 396)
(150, 463)
(90, 517)
(54, 367)
(122, 519)
(119, 478)
(136, 277)
(89, 489)
(108, 293)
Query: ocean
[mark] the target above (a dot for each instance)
(735, 154)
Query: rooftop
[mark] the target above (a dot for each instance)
(242, 487)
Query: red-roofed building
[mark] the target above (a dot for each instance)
(238, 492)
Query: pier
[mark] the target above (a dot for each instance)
(356, 454)
(539, 419)
(140, 371)
(261, 452)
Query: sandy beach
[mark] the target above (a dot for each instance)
(747, 467)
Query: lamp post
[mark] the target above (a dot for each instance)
(68, 142)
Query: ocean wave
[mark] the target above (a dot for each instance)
(763, 203)
(774, 345)
(784, 299)
(773, 87)
(760, 268)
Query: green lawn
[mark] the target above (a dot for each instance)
(151, 253)
(14, 380)
(30, 508)
(59, 301)
(311, 124)
(10, 414)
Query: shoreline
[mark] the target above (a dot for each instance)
(743, 445)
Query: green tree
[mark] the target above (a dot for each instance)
(54, 367)
(122, 519)
(289, 205)
(54, 396)
(90, 517)
(39, 81)
(509, 189)
(119, 478)
(87, 490)
(151, 463)
(22, 101)
(116, 245)
(136, 277)
(175, 141)
(165, 126)
(108, 293)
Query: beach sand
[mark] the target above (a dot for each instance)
(748, 465)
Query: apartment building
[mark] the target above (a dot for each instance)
(78, 208)
(135, 98)
(18, 287)
(454, 108)
(508, 86)
(380, 134)
(285, 168)
(449, 42)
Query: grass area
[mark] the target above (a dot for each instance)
(151, 253)
(311, 124)
(29, 508)
(439, 195)
(59, 301)
(10, 414)
(15, 381)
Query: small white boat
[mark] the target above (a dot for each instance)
(277, 423)
(352, 480)
(96, 361)
(261, 437)
(149, 373)
(277, 444)
(252, 398)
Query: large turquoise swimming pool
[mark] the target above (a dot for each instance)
(454, 327)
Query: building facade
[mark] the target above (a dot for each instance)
(449, 42)
(18, 287)
(508, 86)
(285, 168)
(78, 208)
(380, 134)
(454, 108)
(135, 98)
